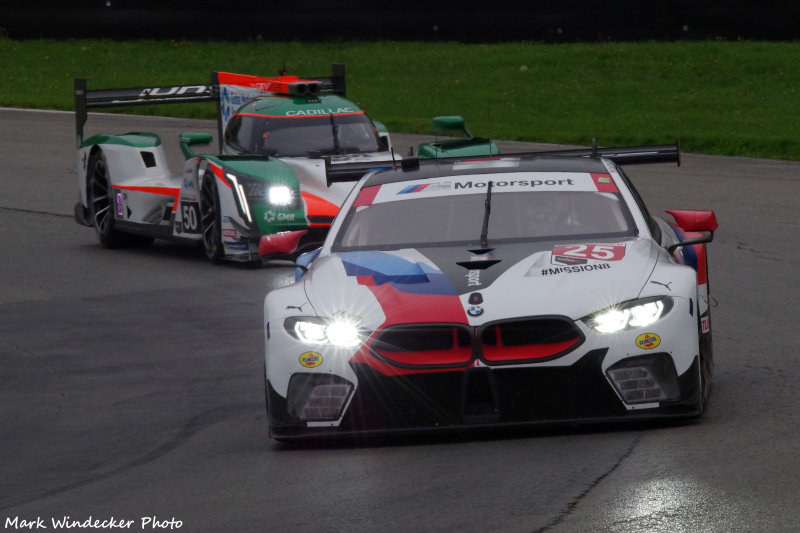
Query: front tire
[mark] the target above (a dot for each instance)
(211, 219)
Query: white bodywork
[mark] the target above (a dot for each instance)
(540, 284)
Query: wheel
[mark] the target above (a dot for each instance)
(101, 206)
(210, 219)
(706, 342)
(706, 363)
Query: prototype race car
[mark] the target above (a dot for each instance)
(276, 136)
(509, 291)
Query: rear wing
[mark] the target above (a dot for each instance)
(632, 155)
(228, 90)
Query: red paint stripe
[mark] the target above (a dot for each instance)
(700, 251)
(604, 187)
(316, 206)
(367, 195)
(164, 191)
(220, 174)
(298, 116)
(256, 82)
(409, 308)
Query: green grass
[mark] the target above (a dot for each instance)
(731, 98)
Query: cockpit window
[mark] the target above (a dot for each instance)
(458, 219)
(300, 136)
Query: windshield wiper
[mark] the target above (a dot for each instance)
(487, 208)
(335, 131)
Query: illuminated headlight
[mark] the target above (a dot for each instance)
(629, 315)
(341, 331)
(259, 191)
(280, 195)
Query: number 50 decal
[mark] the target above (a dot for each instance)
(190, 217)
(598, 252)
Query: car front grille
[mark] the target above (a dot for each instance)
(518, 341)
(440, 345)
(528, 340)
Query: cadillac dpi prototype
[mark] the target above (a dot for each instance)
(277, 134)
(502, 292)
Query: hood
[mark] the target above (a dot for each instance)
(458, 285)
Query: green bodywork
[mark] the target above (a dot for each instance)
(268, 218)
(464, 146)
(188, 139)
(301, 106)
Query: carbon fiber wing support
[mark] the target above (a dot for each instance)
(86, 99)
(629, 155)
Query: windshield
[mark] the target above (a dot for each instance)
(297, 136)
(459, 219)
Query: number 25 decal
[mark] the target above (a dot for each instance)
(598, 252)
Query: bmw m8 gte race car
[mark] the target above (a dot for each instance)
(276, 136)
(508, 291)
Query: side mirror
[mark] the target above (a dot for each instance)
(452, 126)
(384, 142)
(284, 242)
(693, 221)
(187, 139)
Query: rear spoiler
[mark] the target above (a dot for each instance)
(86, 100)
(631, 155)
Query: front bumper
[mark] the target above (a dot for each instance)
(483, 398)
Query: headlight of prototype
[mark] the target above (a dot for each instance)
(264, 192)
(341, 331)
(630, 315)
(280, 195)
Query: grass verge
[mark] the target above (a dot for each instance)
(730, 98)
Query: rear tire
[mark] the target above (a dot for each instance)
(100, 198)
(210, 219)
(706, 360)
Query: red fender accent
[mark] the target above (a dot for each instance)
(284, 242)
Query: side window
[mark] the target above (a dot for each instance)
(232, 132)
(655, 230)
(668, 236)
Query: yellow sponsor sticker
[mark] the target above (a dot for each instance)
(310, 359)
(648, 341)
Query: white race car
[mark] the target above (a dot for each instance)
(507, 291)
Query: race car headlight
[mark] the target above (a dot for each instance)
(341, 331)
(280, 195)
(259, 191)
(630, 315)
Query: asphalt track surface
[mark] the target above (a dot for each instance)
(131, 384)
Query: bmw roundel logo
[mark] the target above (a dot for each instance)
(475, 310)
